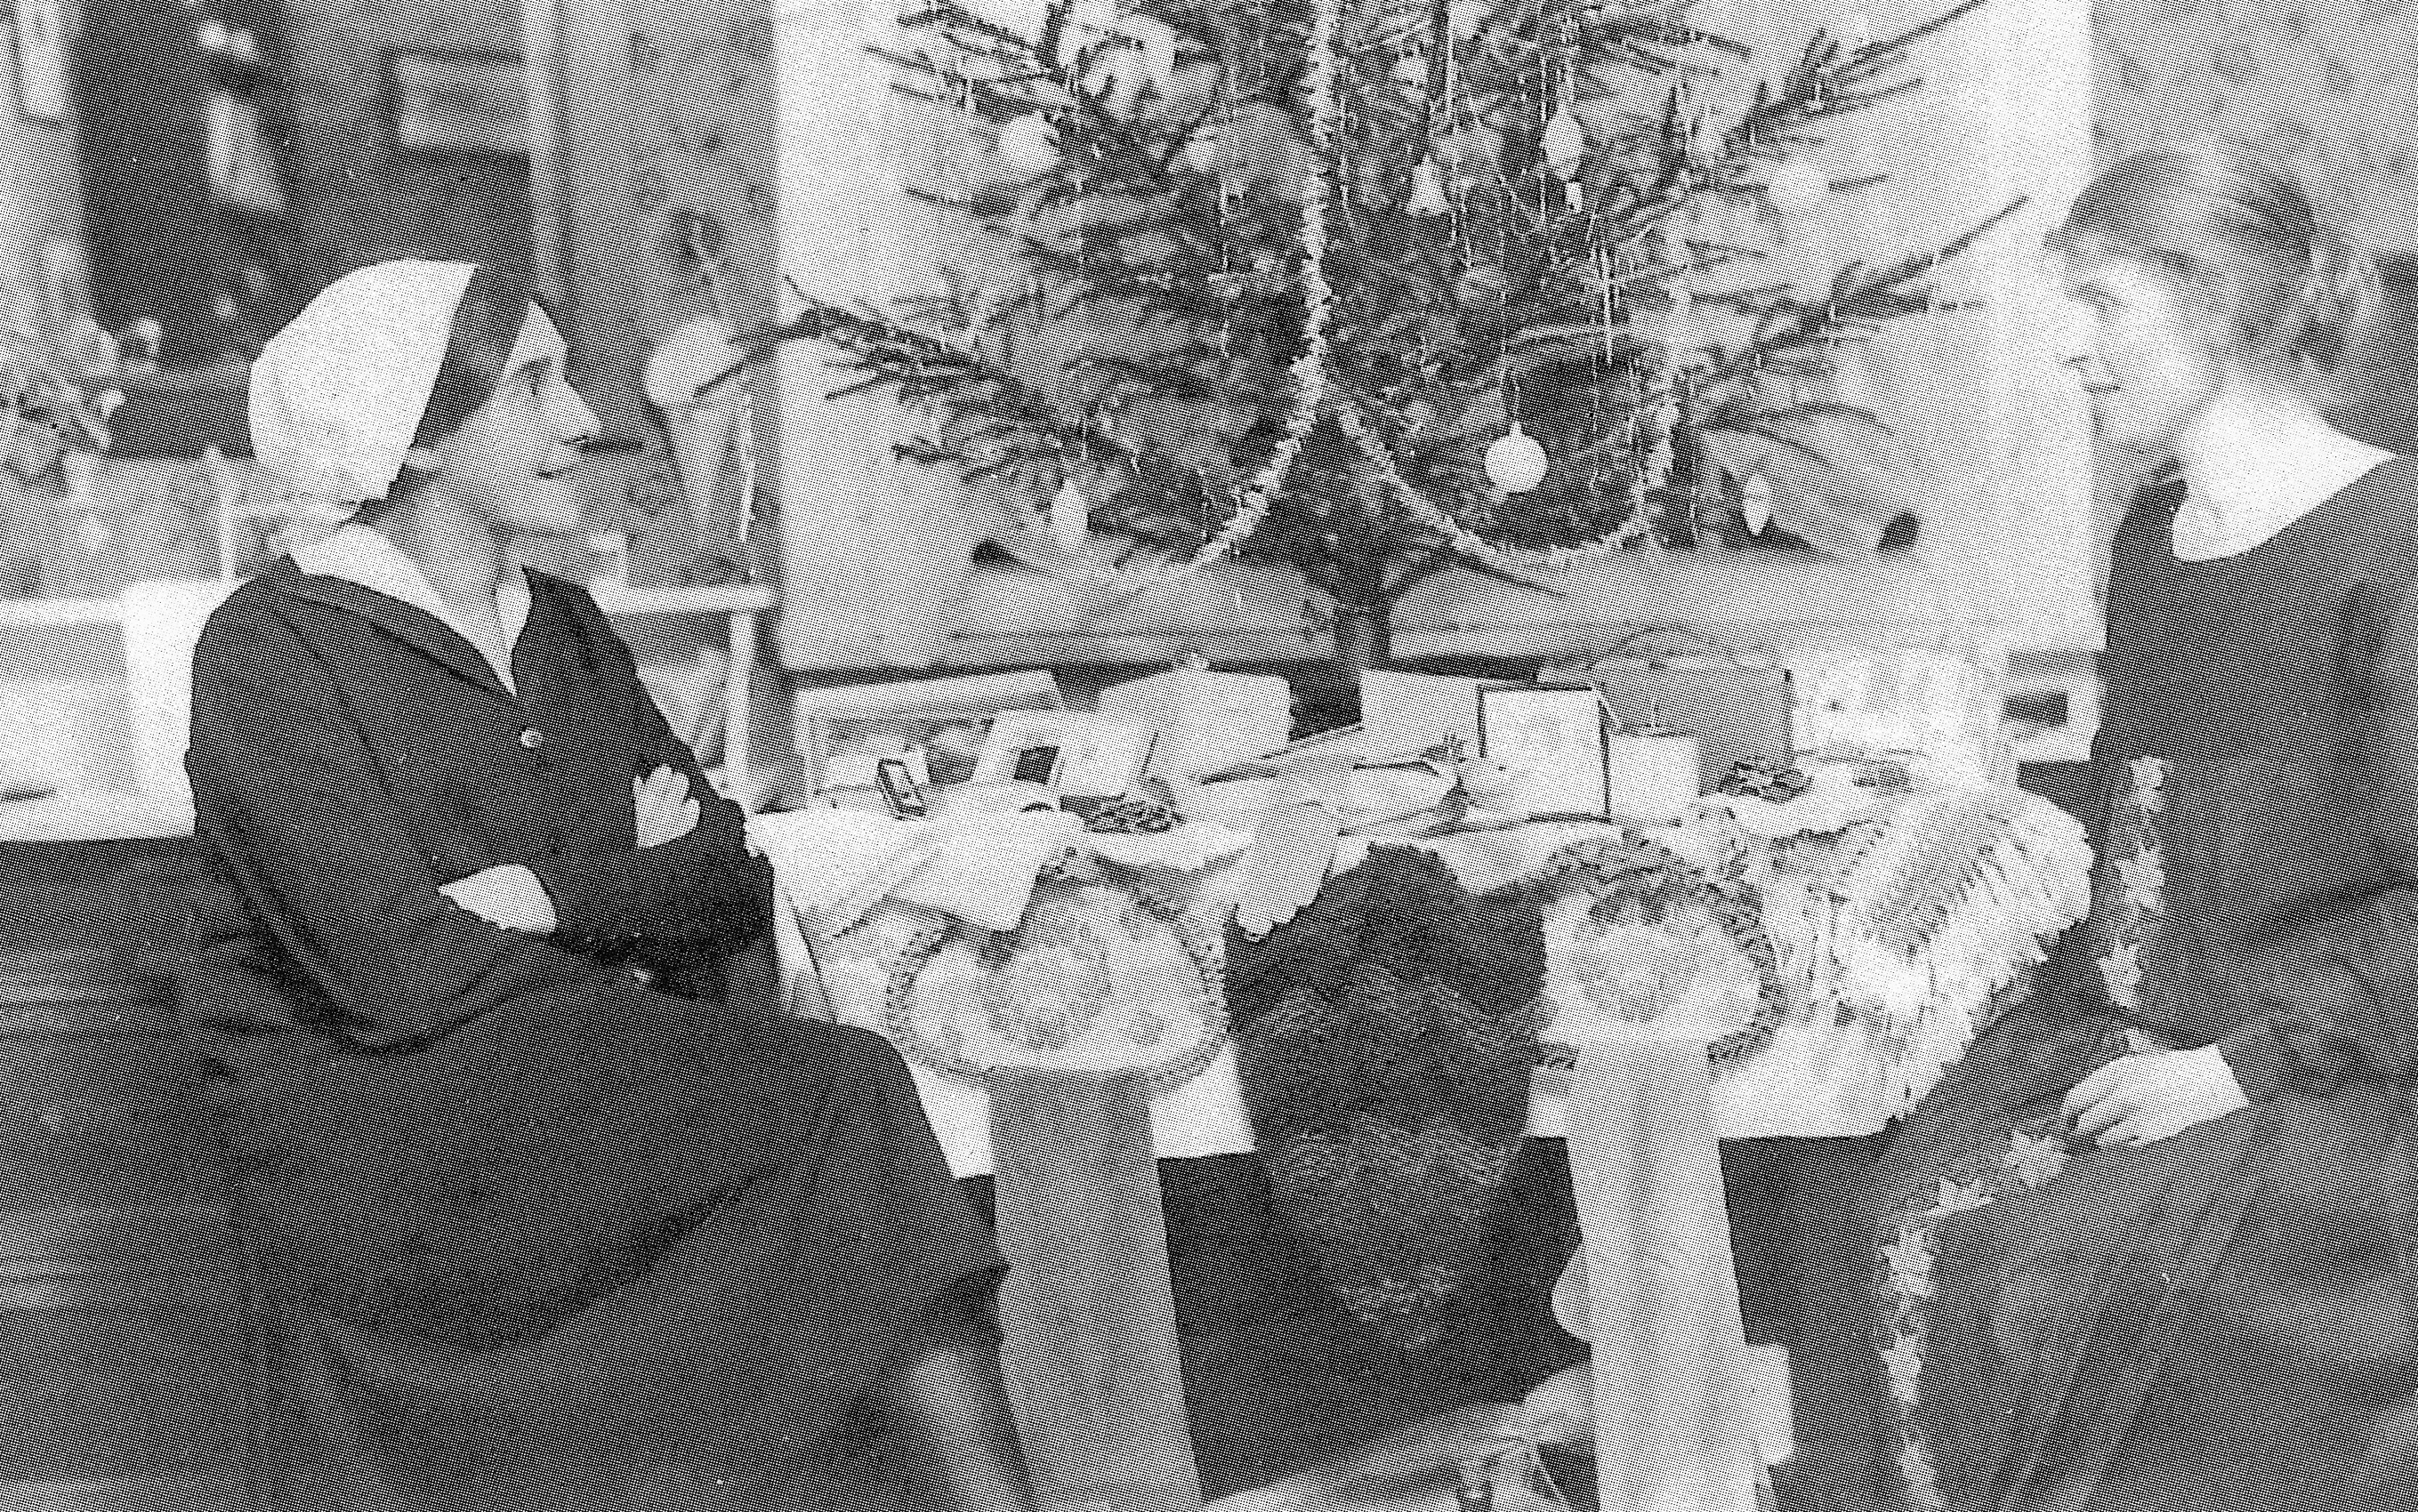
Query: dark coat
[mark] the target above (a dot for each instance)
(449, 1131)
(351, 755)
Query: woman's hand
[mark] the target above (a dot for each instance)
(2144, 1098)
(510, 897)
(666, 810)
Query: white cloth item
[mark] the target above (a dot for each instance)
(1188, 848)
(833, 864)
(1664, 1328)
(336, 395)
(365, 557)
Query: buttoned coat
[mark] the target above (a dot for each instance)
(457, 1133)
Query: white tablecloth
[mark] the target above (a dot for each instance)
(1822, 1073)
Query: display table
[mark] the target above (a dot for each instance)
(1834, 975)
(1875, 1004)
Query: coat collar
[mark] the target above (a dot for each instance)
(357, 570)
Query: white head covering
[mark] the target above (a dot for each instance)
(337, 394)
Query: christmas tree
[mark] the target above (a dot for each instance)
(1379, 287)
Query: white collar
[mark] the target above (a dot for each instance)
(365, 557)
(2251, 469)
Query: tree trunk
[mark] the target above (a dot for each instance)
(1364, 639)
(1329, 698)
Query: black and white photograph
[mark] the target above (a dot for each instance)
(1208, 755)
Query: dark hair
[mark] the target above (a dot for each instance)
(2281, 282)
(486, 323)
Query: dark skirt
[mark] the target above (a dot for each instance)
(665, 1279)
(2217, 1322)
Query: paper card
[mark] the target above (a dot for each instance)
(1083, 756)
(1554, 736)
(1205, 720)
(1405, 712)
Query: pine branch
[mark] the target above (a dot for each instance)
(1432, 317)
(1856, 300)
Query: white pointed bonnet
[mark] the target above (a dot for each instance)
(336, 396)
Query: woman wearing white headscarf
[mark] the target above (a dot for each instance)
(532, 1236)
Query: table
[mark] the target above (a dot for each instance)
(1884, 944)
(1865, 1032)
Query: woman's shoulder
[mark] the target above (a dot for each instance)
(570, 602)
(570, 596)
(2388, 489)
(259, 602)
(2375, 518)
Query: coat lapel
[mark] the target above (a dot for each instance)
(413, 626)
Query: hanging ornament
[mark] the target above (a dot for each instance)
(1515, 463)
(1859, 30)
(1467, 16)
(1070, 517)
(1754, 503)
(1410, 71)
(1199, 152)
(1565, 143)
(1798, 185)
(1574, 197)
(1427, 189)
(1029, 143)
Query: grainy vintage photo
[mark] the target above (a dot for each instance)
(1208, 755)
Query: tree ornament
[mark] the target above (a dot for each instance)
(1859, 30)
(1565, 143)
(1199, 152)
(1070, 517)
(1798, 185)
(1276, 349)
(1754, 503)
(1515, 463)
(1029, 143)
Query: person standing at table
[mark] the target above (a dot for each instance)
(531, 1235)
(2149, 1246)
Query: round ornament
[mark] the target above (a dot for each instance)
(1029, 143)
(1565, 143)
(1427, 189)
(1465, 16)
(1515, 463)
(1199, 152)
(1410, 71)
